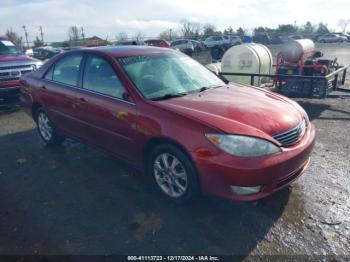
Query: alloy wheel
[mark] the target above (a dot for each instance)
(45, 127)
(170, 175)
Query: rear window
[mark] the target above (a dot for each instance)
(67, 69)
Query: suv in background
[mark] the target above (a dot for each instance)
(13, 64)
(262, 39)
(46, 52)
(212, 41)
(234, 40)
(332, 38)
(184, 45)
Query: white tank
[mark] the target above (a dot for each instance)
(292, 50)
(247, 58)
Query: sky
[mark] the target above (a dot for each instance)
(106, 18)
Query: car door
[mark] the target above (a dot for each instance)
(58, 92)
(104, 108)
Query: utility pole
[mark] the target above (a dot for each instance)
(170, 30)
(82, 32)
(41, 33)
(26, 35)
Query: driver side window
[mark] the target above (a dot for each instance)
(100, 77)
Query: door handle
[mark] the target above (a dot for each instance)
(43, 87)
(82, 99)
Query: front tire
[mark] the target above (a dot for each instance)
(46, 129)
(173, 173)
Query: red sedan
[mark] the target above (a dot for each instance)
(162, 111)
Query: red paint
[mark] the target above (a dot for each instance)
(233, 109)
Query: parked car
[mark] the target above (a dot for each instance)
(13, 64)
(159, 109)
(276, 40)
(234, 40)
(246, 39)
(331, 38)
(157, 42)
(346, 35)
(262, 39)
(45, 53)
(198, 45)
(212, 41)
(184, 45)
(29, 52)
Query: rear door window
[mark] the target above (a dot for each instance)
(67, 69)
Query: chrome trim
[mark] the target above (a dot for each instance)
(37, 63)
(293, 135)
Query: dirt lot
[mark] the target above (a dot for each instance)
(77, 200)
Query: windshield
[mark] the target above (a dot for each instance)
(166, 75)
(8, 48)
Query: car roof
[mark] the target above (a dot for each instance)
(127, 50)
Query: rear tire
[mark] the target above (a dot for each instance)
(173, 173)
(46, 129)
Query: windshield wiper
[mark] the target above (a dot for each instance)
(168, 96)
(208, 87)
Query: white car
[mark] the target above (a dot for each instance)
(234, 40)
(212, 41)
(331, 38)
(184, 45)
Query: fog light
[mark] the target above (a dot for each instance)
(245, 190)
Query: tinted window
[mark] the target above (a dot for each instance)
(217, 38)
(99, 76)
(67, 69)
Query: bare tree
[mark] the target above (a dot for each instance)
(209, 29)
(169, 35)
(190, 29)
(343, 24)
(14, 37)
(139, 37)
(121, 37)
(73, 33)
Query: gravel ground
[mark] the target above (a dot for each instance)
(77, 200)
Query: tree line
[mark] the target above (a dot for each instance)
(194, 30)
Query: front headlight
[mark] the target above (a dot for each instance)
(243, 146)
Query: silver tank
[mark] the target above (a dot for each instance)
(292, 50)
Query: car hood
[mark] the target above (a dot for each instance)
(239, 109)
(16, 58)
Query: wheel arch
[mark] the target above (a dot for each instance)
(152, 143)
(35, 107)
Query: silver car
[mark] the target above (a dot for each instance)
(184, 45)
(332, 38)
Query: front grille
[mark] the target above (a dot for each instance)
(14, 67)
(292, 136)
(9, 79)
(13, 73)
(4, 74)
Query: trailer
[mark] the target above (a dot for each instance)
(299, 70)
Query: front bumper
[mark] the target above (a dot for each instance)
(218, 173)
(9, 92)
(9, 89)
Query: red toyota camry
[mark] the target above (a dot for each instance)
(162, 111)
